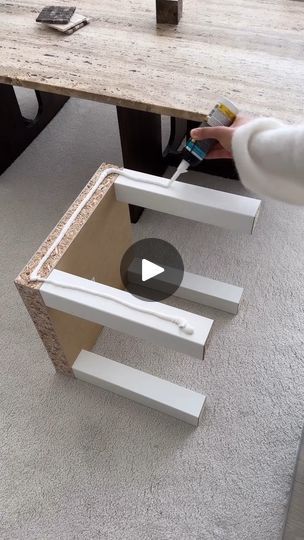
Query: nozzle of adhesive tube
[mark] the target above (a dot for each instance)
(223, 114)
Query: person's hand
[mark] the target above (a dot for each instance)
(222, 149)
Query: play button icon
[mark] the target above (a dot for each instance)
(152, 269)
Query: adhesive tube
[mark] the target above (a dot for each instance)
(223, 114)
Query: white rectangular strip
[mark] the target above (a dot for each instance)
(193, 287)
(188, 201)
(210, 292)
(88, 305)
(143, 388)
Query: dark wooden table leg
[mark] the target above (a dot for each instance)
(219, 167)
(17, 132)
(141, 144)
(179, 127)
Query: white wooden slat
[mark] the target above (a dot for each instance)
(193, 287)
(124, 319)
(210, 292)
(197, 203)
(141, 387)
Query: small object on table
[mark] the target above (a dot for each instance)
(77, 21)
(168, 11)
(55, 15)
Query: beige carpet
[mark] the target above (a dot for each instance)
(80, 463)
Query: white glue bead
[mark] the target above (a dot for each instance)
(185, 327)
(188, 329)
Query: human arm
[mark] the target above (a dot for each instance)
(268, 154)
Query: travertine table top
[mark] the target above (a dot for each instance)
(248, 50)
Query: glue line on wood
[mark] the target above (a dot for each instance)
(141, 387)
(97, 303)
(197, 203)
(111, 170)
(180, 322)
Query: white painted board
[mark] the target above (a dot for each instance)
(141, 387)
(195, 288)
(87, 305)
(210, 292)
(197, 203)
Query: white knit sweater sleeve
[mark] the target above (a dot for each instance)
(269, 157)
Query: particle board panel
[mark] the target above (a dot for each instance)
(83, 298)
(141, 387)
(92, 248)
(122, 57)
